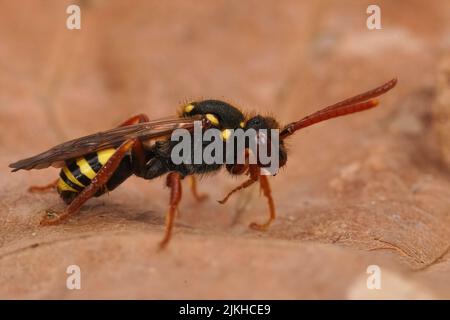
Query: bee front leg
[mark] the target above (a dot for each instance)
(265, 187)
(255, 175)
(99, 181)
(245, 184)
(253, 171)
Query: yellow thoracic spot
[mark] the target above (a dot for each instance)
(242, 124)
(226, 133)
(188, 108)
(212, 118)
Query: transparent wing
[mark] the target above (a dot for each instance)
(102, 140)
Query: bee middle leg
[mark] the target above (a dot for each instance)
(99, 181)
(174, 183)
(193, 184)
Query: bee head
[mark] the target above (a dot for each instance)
(267, 123)
(260, 122)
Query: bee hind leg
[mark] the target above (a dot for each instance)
(99, 181)
(47, 187)
(139, 118)
(138, 149)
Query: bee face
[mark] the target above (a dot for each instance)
(267, 123)
(220, 114)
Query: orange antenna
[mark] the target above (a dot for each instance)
(354, 104)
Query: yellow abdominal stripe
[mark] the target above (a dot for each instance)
(85, 168)
(104, 155)
(71, 177)
(63, 186)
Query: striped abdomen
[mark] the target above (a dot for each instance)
(77, 174)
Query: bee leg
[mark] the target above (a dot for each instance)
(253, 171)
(174, 183)
(136, 119)
(243, 185)
(243, 168)
(198, 196)
(265, 187)
(137, 150)
(97, 183)
(47, 187)
(255, 175)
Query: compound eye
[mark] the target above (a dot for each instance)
(212, 118)
(255, 122)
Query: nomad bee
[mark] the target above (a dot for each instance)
(98, 163)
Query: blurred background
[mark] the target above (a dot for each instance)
(371, 188)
